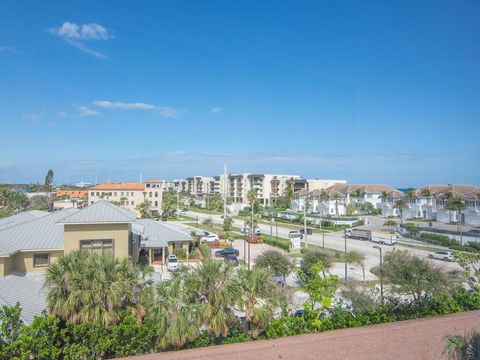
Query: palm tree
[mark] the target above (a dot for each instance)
(456, 205)
(143, 208)
(84, 287)
(5, 195)
(257, 299)
(384, 198)
(178, 319)
(465, 347)
(336, 197)
(322, 196)
(356, 258)
(400, 205)
(392, 224)
(213, 286)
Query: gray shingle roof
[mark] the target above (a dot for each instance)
(37, 234)
(25, 289)
(21, 218)
(100, 212)
(157, 234)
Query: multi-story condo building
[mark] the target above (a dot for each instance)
(153, 194)
(129, 195)
(268, 186)
(315, 184)
(431, 203)
(335, 199)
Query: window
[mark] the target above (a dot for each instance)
(156, 203)
(131, 193)
(133, 203)
(121, 194)
(150, 194)
(97, 246)
(115, 193)
(41, 260)
(156, 193)
(92, 194)
(98, 193)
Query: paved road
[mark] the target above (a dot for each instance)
(335, 241)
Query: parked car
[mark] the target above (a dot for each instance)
(231, 259)
(183, 212)
(172, 263)
(309, 231)
(295, 234)
(246, 230)
(210, 238)
(164, 218)
(442, 255)
(226, 252)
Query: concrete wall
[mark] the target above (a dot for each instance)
(23, 261)
(118, 232)
(413, 339)
(5, 266)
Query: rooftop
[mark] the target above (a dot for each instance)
(119, 186)
(100, 212)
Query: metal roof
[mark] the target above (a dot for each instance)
(37, 234)
(100, 212)
(155, 234)
(25, 289)
(21, 218)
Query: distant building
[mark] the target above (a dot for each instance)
(334, 200)
(127, 195)
(430, 202)
(33, 240)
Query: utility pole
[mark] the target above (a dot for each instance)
(345, 237)
(252, 230)
(381, 272)
(225, 189)
(305, 220)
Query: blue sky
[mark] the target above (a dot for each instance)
(368, 91)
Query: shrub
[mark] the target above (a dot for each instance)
(436, 239)
(180, 253)
(280, 243)
(205, 250)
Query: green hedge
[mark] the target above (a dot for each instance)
(437, 239)
(280, 243)
(205, 250)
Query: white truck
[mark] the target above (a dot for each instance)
(380, 237)
(383, 237)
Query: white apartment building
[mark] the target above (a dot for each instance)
(430, 203)
(269, 186)
(154, 189)
(129, 195)
(334, 200)
(315, 184)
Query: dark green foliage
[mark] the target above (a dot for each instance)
(180, 253)
(205, 250)
(280, 243)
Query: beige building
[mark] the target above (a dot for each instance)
(31, 243)
(154, 193)
(127, 195)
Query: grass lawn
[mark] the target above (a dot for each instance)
(421, 247)
(205, 211)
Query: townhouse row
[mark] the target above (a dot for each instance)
(429, 202)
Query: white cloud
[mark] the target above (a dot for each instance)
(76, 34)
(163, 111)
(33, 118)
(81, 32)
(86, 111)
(216, 110)
(123, 105)
(10, 49)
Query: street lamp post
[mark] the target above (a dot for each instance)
(381, 272)
(305, 220)
(276, 233)
(345, 238)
